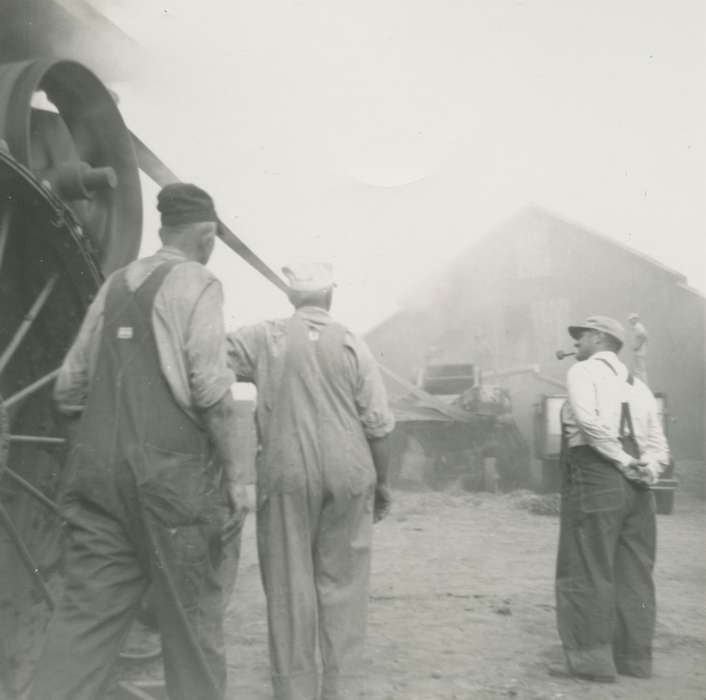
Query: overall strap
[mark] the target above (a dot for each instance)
(625, 415)
(147, 291)
(120, 295)
(607, 364)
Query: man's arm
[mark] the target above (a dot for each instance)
(376, 418)
(219, 421)
(381, 450)
(71, 387)
(210, 380)
(242, 350)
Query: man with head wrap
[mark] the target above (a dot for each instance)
(152, 466)
(323, 422)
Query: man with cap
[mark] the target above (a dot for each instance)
(151, 468)
(639, 347)
(613, 449)
(323, 421)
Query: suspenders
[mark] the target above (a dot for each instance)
(627, 437)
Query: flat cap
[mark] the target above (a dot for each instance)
(604, 324)
(184, 203)
(309, 277)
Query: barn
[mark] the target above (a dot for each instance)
(506, 302)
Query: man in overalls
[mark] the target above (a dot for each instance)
(323, 421)
(614, 449)
(151, 469)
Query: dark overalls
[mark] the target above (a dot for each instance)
(605, 594)
(145, 508)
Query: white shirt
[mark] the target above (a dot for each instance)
(592, 414)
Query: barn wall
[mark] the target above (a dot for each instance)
(508, 301)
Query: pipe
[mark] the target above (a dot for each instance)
(31, 388)
(561, 354)
(28, 321)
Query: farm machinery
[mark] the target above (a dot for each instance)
(461, 430)
(70, 214)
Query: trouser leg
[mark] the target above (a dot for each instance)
(284, 527)
(342, 565)
(189, 606)
(231, 539)
(590, 524)
(104, 583)
(634, 588)
(228, 570)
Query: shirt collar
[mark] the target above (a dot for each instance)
(169, 251)
(606, 355)
(314, 314)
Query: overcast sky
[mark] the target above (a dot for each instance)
(387, 135)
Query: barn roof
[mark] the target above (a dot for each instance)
(533, 218)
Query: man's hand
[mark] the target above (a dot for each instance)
(650, 472)
(639, 473)
(383, 500)
(238, 499)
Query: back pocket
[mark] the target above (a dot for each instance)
(176, 488)
(597, 500)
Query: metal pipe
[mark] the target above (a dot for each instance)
(28, 321)
(31, 388)
(34, 491)
(561, 354)
(135, 691)
(5, 230)
(38, 439)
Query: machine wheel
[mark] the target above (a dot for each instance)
(69, 190)
(62, 123)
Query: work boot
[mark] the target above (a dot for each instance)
(562, 671)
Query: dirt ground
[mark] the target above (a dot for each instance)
(462, 606)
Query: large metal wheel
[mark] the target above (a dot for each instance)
(70, 211)
(62, 123)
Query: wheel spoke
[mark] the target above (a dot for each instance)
(4, 230)
(31, 388)
(38, 439)
(28, 321)
(34, 491)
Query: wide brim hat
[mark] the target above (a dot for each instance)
(604, 324)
